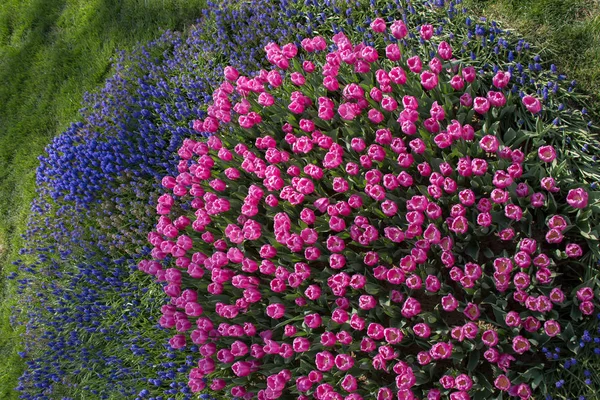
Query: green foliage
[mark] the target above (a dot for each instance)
(51, 53)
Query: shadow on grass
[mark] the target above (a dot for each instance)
(51, 53)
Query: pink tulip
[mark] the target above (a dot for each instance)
(289, 50)
(481, 105)
(457, 82)
(344, 362)
(313, 320)
(429, 80)
(520, 344)
(426, 32)
(469, 74)
(414, 64)
(435, 65)
(392, 52)
(552, 328)
(398, 29)
(496, 99)
(324, 361)
(378, 25)
(398, 76)
(502, 383)
(501, 79)
(241, 368)
(466, 100)
(463, 382)
(586, 293)
(349, 383)
(300, 344)
(445, 51)
(275, 311)
(546, 154)
(532, 104)
(586, 307)
(230, 73)
(577, 198)
(447, 382)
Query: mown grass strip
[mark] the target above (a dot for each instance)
(51, 53)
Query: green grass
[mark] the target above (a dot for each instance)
(570, 29)
(51, 53)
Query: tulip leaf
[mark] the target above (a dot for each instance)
(473, 360)
(584, 226)
(472, 250)
(509, 136)
(371, 288)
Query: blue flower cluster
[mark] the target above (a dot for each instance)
(90, 317)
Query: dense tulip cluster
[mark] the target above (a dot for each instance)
(362, 222)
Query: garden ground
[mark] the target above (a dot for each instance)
(51, 52)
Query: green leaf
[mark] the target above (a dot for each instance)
(507, 110)
(575, 314)
(473, 360)
(421, 378)
(499, 314)
(472, 250)
(488, 252)
(491, 299)
(371, 288)
(569, 332)
(287, 321)
(494, 128)
(509, 136)
(584, 226)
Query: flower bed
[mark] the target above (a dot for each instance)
(373, 224)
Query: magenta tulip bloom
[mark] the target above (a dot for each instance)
(577, 198)
(324, 361)
(574, 250)
(481, 105)
(552, 328)
(241, 368)
(586, 307)
(378, 25)
(547, 153)
(585, 294)
(502, 383)
(230, 73)
(457, 82)
(399, 29)
(445, 51)
(426, 31)
(429, 80)
(501, 79)
(520, 344)
(532, 104)
(392, 52)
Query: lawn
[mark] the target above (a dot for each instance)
(51, 53)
